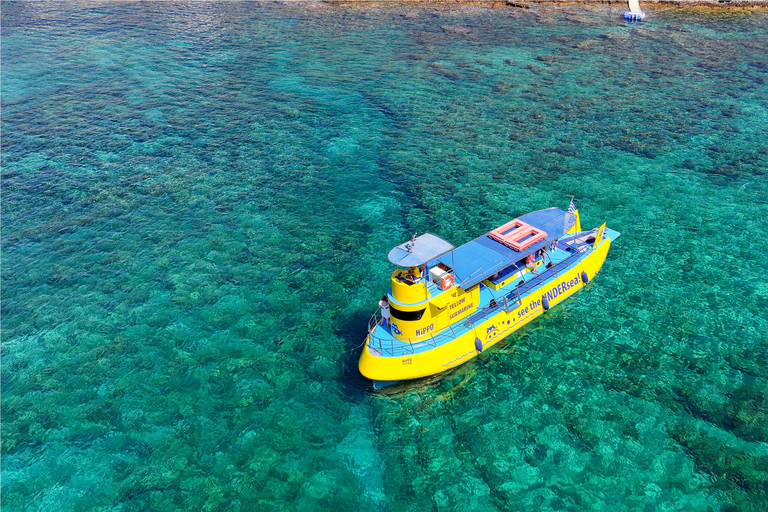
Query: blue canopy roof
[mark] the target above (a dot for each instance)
(483, 256)
(423, 249)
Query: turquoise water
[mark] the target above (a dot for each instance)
(198, 200)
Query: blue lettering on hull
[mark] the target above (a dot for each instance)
(462, 310)
(563, 287)
(425, 330)
(551, 294)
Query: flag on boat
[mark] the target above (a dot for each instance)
(572, 208)
(599, 236)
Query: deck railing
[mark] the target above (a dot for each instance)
(405, 346)
(392, 347)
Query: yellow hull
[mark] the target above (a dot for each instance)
(491, 331)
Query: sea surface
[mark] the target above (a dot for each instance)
(198, 199)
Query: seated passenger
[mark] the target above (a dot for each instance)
(530, 262)
(413, 275)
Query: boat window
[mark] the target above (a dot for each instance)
(408, 316)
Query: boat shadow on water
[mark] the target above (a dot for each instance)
(350, 328)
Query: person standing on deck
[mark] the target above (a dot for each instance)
(384, 305)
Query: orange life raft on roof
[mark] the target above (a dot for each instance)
(517, 235)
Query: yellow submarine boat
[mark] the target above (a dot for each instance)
(448, 304)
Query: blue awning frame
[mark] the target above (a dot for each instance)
(482, 257)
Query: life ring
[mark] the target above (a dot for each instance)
(447, 282)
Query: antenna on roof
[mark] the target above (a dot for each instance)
(409, 245)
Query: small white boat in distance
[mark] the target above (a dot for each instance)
(634, 13)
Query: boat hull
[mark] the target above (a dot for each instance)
(487, 333)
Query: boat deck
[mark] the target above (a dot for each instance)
(567, 253)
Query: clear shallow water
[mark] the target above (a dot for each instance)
(198, 199)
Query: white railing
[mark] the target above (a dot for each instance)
(394, 347)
